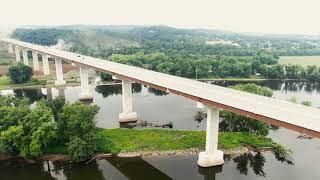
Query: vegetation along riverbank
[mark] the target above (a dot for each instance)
(55, 127)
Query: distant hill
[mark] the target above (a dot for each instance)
(96, 37)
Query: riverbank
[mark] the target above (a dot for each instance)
(155, 142)
(33, 83)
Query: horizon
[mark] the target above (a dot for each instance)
(164, 25)
(247, 16)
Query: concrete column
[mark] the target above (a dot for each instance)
(45, 63)
(35, 61)
(127, 115)
(10, 48)
(17, 51)
(59, 72)
(85, 91)
(212, 156)
(25, 56)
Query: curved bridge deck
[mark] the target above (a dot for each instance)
(277, 112)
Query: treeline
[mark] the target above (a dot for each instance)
(193, 66)
(290, 71)
(45, 37)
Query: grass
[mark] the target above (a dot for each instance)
(6, 83)
(156, 140)
(300, 60)
(134, 140)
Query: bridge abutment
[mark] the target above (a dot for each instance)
(59, 72)
(35, 60)
(85, 94)
(211, 156)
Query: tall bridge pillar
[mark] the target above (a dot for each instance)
(35, 61)
(45, 64)
(85, 91)
(59, 72)
(25, 56)
(17, 51)
(212, 156)
(10, 48)
(127, 115)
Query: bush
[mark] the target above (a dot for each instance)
(20, 73)
(77, 126)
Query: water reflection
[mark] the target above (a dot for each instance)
(255, 161)
(32, 94)
(136, 168)
(276, 85)
(157, 92)
(210, 173)
(115, 89)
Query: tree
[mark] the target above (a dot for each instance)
(313, 73)
(39, 130)
(77, 126)
(20, 73)
(294, 71)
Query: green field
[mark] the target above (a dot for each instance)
(301, 60)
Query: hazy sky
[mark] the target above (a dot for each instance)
(267, 16)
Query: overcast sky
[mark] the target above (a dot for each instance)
(266, 16)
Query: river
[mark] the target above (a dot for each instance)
(157, 108)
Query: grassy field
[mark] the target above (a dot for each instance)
(301, 60)
(133, 140)
(6, 83)
(156, 140)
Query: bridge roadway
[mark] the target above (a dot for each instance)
(281, 113)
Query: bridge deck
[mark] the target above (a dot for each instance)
(281, 113)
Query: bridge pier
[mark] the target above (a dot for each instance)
(35, 61)
(127, 115)
(25, 57)
(85, 91)
(10, 48)
(59, 72)
(45, 64)
(212, 156)
(17, 51)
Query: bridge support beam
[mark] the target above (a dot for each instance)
(85, 91)
(59, 72)
(10, 48)
(35, 61)
(25, 57)
(212, 156)
(127, 115)
(17, 51)
(45, 64)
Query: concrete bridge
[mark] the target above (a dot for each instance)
(296, 117)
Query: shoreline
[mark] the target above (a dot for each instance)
(194, 151)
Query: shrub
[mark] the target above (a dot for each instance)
(77, 126)
(20, 73)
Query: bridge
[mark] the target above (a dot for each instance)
(285, 114)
